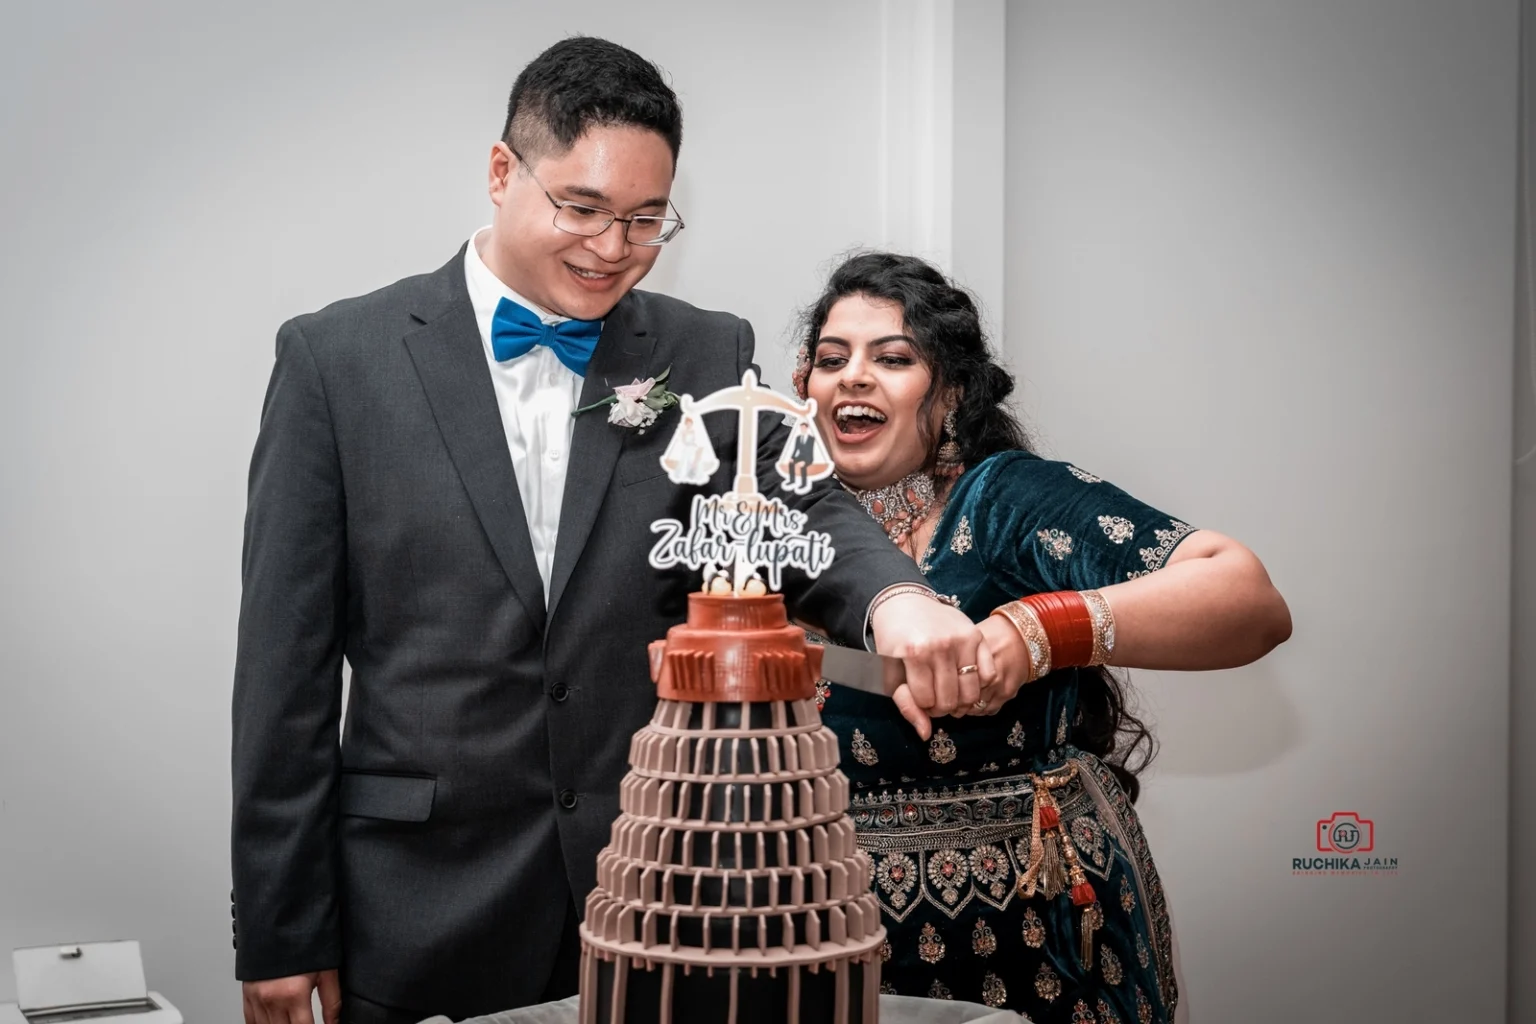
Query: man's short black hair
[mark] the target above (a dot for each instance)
(581, 83)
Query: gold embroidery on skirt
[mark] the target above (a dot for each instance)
(948, 869)
(1088, 834)
(1113, 972)
(1082, 1013)
(863, 750)
(1047, 983)
(939, 990)
(1120, 819)
(941, 748)
(1143, 954)
(1016, 735)
(896, 874)
(885, 951)
(887, 989)
(1034, 930)
(990, 866)
(1107, 1015)
(1143, 1007)
(993, 992)
(983, 941)
(929, 946)
(1127, 895)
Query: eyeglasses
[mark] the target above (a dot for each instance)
(581, 219)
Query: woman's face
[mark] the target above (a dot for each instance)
(869, 383)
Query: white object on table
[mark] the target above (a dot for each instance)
(95, 980)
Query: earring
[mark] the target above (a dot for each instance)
(949, 451)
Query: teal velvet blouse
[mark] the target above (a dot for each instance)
(947, 822)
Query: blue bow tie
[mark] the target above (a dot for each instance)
(515, 329)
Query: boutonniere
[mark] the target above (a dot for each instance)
(637, 404)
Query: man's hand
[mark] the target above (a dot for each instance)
(934, 641)
(286, 1000)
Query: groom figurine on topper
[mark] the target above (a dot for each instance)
(424, 505)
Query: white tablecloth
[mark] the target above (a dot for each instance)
(893, 1010)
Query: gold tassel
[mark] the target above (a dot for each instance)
(1092, 918)
(1087, 950)
(1053, 873)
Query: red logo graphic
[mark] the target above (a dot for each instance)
(1346, 832)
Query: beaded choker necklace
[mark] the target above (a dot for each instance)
(901, 506)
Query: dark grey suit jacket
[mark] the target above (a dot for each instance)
(432, 855)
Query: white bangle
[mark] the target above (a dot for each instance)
(894, 590)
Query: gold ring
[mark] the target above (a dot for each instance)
(980, 705)
(967, 668)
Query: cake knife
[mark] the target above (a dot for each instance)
(862, 670)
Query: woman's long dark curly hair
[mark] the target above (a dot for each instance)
(944, 322)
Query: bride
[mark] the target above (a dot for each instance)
(1009, 864)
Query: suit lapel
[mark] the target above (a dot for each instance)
(450, 360)
(623, 354)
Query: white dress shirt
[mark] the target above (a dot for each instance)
(536, 393)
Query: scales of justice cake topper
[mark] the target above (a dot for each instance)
(732, 536)
(732, 889)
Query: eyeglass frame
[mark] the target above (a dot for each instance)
(560, 204)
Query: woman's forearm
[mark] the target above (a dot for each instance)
(1212, 606)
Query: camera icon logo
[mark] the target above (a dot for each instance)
(1346, 832)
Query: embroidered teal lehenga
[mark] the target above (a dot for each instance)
(949, 823)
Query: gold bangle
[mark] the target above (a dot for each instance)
(1103, 626)
(1033, 634)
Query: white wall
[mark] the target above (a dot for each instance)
(1260, 269)
(179, 178)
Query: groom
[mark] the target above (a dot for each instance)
(423, 504)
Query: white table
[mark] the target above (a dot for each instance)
(893, 1010)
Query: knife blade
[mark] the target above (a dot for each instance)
(862, 670)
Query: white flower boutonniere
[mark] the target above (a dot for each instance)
(637, 405)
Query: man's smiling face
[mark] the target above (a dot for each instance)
(622, 169)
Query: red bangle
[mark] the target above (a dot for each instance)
(1068, 623)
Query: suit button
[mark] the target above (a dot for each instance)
(568, 799)
(559, 692)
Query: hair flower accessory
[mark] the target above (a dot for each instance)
(637, 405)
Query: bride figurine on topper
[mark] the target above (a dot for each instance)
(690, 457)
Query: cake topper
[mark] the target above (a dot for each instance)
(732, 536)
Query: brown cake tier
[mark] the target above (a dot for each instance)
(732, 890)
(735, 648)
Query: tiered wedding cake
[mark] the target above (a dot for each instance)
(732, 890)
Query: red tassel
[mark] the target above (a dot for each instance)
(1082, 893)
(1048, 817)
